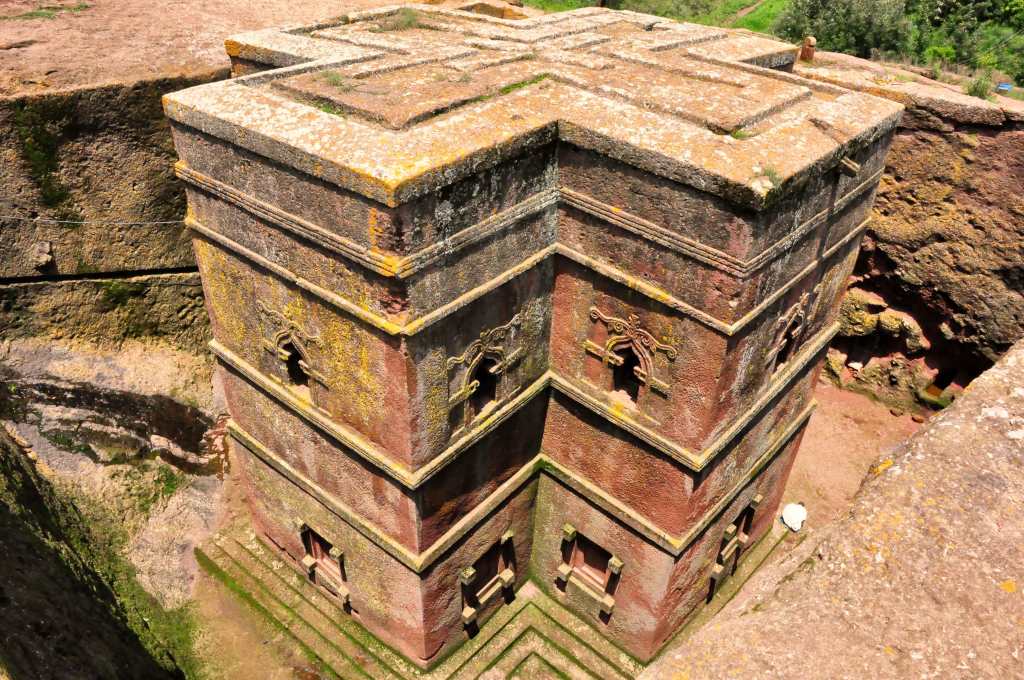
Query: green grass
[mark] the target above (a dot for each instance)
(402, 20)
(557, 5)
(763, 18)
(980, 86)
(46, 12)
(327, 107)
(336, 80)
(523, 83)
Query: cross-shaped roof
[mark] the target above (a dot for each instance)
(397, 101)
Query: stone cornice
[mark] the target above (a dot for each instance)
(389, 264)
(672, 544)
(404, 267)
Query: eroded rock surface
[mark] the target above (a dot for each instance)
(941, 261)
(132, 438)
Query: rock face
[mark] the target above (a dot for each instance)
(147, 464)
(938, 286)
(925, 578)
(499, 302)
(92, 246)
(62, 620)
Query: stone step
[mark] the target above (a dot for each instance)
(280, 582)
(532, 625)
(563, 625)
(284, 616)
(333, 619)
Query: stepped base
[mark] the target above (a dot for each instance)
(531, 637)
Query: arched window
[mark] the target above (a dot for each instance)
(297, 376)
(788, 345)
(486, 392)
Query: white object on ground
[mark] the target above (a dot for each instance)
(794, 515)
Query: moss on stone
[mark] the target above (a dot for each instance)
(91, 541)
(39, 125)
(118, 293)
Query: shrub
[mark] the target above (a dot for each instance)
(858, 27)
(980, 86)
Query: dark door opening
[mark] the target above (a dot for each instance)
(487, 389)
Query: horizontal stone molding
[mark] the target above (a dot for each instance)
(541, 464)
(696, 250)
(411, 327)
(360, 445)
(389, 264)
(413, 479)
(382, 262)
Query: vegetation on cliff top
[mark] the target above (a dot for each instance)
(984, 35)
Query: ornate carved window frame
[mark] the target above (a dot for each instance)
(493, 344)
(735, 541)
(605, 598)
(629, 333)
(476, 596)
(789, 329)
(282, 331)
(336, 585)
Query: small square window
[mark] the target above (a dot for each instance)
(590, 562)
(488, 570)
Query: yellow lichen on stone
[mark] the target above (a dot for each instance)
(883, 466)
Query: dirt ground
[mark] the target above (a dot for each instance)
(844, 438)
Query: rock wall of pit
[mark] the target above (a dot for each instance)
(936, 296)
(92, 246)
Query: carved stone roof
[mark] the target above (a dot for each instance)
(394, 102)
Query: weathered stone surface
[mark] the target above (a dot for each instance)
(62, 619)
(106, 311)
(946, 242)
(101, 156)
(472, 280)
(923, 579)
(129, 436)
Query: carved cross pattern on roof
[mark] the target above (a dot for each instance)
(391, 99)
(628, 333)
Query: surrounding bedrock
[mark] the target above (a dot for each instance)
(99, 155)
(62, 618)
(923, 578)
(83, 138)
(937, 293)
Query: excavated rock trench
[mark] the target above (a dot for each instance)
(936, 300)
(154, 463)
